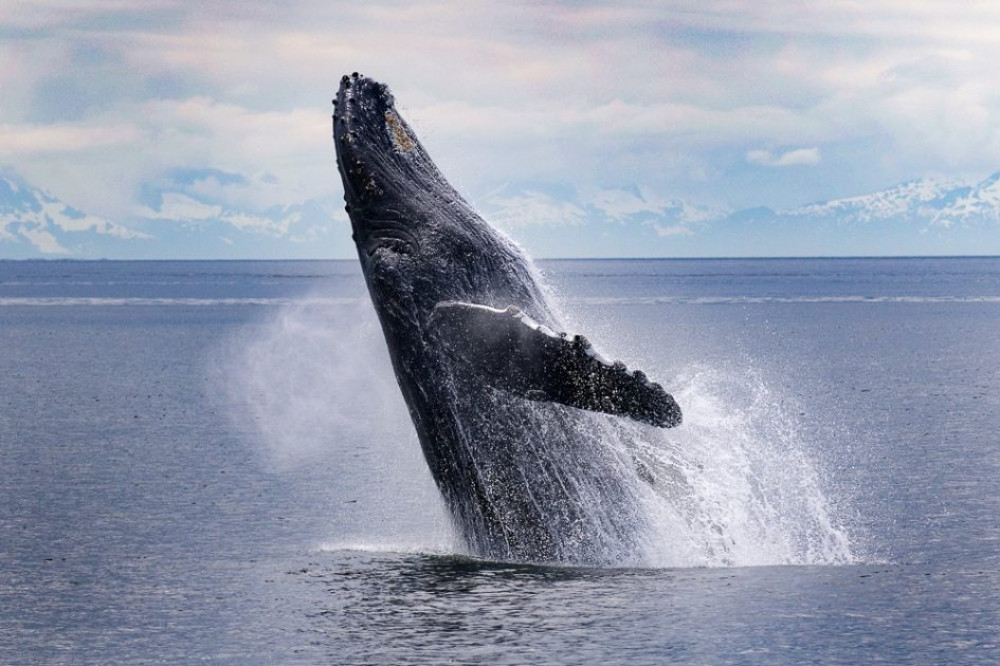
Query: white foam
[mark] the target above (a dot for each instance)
(734, 485)
(392, 547)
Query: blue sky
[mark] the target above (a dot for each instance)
(162, 114)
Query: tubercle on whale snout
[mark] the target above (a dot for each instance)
(370, 137)
(357, 85)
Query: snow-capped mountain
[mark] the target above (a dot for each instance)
(300, 230)
(915, 218)
(34, 222)
(175, 220)
(210, 214)
(626, 222)
(928, 203)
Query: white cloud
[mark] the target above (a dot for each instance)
(796, 157)
(533, 209)
(956, 126)
(183, 209)
(180, 207)
(19, 140)
(98, 166)
(261, 224)
(593, 96)
(620, 204)
(672, 230)
(43, 240)
(617, 120)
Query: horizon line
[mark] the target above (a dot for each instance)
(587, 258)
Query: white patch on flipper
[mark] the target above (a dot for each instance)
(525, 319)
(512, 310)
(532, 324)
(597, 356)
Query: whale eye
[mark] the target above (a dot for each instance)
(389, 245)
(389, 238)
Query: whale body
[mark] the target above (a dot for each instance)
(512, 414)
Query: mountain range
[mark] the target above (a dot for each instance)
(919, 217)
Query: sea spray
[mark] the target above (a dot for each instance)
(310, 384)
(733, 486)
(305, 375)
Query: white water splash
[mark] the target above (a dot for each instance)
(733, 486)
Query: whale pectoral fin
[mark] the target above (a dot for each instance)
(581, 378)
(509, 351)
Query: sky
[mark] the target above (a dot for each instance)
(165, 114)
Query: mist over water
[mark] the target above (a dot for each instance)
(312, 379)
(312, 385)
(732, 486)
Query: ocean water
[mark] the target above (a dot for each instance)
(210, 462)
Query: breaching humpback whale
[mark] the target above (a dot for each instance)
(512, 415)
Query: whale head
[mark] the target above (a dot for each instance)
(420, 243)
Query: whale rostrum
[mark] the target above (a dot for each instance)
(511, 413)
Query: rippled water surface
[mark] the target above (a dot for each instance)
(210, 462)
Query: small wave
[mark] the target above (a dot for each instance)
(441, 550)
(185, 302)
(753, 300)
